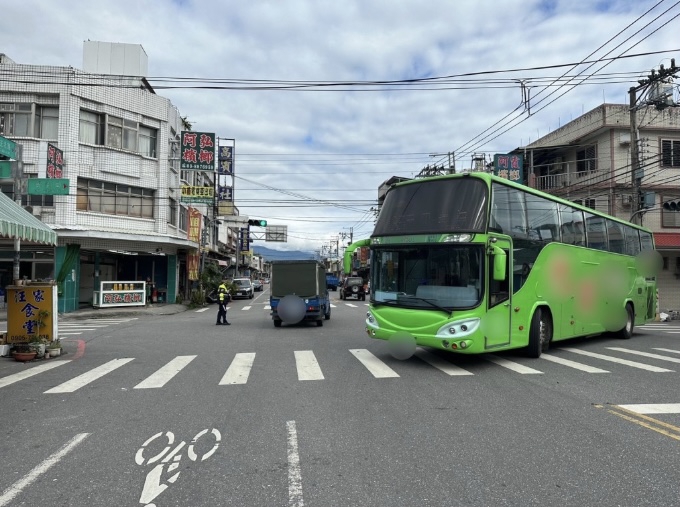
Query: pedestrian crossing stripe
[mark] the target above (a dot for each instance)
(309, 369)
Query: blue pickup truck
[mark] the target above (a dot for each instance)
(332, 281)
(298, 292)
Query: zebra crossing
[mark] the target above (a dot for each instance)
(309, 368)
(76, 327)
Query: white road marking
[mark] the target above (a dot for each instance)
(202, 310)
(647, 354)
(572, 364)
(90, 376)
(11, 379)
(239, 369)
(669, 350)
(307, 366)
(350, 304)
(165, 374)
(612, 359)
(377, 368)
(294, 476)
(15, 489)
(510, 365)
(73, 329)
(68, 333)
(439, 363)
(267, 307)
(672, 332)
(653, 408)
(246, 308)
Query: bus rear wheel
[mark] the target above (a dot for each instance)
(540, 333)
(627, 332)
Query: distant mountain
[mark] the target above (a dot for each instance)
(269, 254)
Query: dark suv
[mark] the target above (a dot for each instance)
(353, 286)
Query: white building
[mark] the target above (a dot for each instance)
(123, 218)
(588, 160)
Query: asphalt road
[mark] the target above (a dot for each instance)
(175, 411)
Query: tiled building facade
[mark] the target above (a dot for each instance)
(123, 218)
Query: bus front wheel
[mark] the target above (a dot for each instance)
(540, 333)
(627, 332)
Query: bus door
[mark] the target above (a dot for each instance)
(497, 322)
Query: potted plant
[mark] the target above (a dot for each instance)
(24, 352)
(54, 347)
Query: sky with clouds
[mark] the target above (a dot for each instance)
(326, 99)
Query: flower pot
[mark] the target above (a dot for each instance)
(55, 352)
(24, 356)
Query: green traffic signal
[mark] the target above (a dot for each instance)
(258, 223)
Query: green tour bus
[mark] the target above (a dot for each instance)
(474, 263)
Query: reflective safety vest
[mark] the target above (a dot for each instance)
(222, 289)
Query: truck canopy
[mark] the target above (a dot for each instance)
(302, 278)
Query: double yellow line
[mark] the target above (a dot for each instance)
(664, 428)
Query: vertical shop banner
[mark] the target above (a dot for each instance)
(192, 266)
(55, 161)
(244, 239)
(225, 160)
(225, 194)
(194, 232)
(197, 151)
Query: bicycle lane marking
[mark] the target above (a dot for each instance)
(10, 493)
(153, 484)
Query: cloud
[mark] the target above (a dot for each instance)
(337, 144)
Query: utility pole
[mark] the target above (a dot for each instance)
(660, 102)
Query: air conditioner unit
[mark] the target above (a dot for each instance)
(624, 138)
(626, 200)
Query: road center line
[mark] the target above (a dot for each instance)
(10, 493)
(294, 476)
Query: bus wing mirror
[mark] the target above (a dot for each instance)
(499, 264)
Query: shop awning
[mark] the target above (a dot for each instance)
(17, 223)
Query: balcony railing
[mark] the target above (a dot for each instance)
(554, 182)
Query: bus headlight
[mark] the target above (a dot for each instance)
(459, 329)
(371, 321)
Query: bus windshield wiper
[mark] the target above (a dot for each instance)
(429, 302)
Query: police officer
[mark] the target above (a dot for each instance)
(224, 298)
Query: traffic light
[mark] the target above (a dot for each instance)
(257, 223)
(672, 205)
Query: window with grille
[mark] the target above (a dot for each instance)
(586, 159)
(670, 153)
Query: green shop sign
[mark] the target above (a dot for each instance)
(8, 148)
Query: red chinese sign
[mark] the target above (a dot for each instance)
(197, 151)
(122, 298)
(55, 162)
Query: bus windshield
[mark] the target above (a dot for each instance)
(431, 207)
(431, 277)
